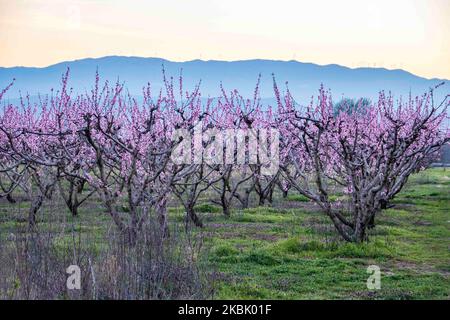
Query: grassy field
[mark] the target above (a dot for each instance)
(290, 250)
(293, 253)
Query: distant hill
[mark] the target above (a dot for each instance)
(304, 78)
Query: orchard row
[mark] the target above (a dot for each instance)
(135, 153)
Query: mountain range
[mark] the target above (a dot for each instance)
(304, 79)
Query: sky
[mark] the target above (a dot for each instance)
(408, 34)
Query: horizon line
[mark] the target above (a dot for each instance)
(214, 60)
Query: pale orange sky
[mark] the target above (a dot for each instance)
(408, 34)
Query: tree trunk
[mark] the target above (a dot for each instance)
(134, 226)
(73, 204)
(131, 235)
(10, 198)
(35, 206)
(261, 200)
(360, 229)
(191, 215)
(270, 198)
(360, 235)
(74, 210)
(371, 223)
(161, 212)
(225, 205)
(245, 200)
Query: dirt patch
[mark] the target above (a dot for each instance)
(405, 206)
(319, 225)
(247, 226)
(419, 268)
(17, 199)
(223, 276)
(256, 236)
(306, 206)
(255, 231)
(423, 223)
(383, 294)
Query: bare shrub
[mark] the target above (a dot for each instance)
(34, 263)
(156, 267)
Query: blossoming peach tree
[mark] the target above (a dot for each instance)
(369, 155)
(127, 150)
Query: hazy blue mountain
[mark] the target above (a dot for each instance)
(304, 78)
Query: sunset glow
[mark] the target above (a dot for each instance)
(406, 34)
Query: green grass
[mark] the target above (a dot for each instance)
(298, 260)
(274, 253)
